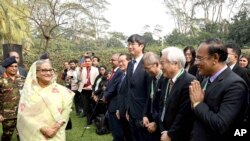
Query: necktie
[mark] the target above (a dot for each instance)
(208, 82)
(120, 84)
(112, 74)
(133, 64)
(170, 85)
(153, 91)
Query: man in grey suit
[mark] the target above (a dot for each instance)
(220, 102)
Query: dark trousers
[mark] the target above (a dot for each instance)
(86, 94)
(9, 126)
(126, 128)
(116, 127)
(137, 131)
(78, 101)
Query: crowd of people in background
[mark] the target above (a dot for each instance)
(177, 95)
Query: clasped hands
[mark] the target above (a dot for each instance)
(196, 93)
(50, 132)
(151, 126)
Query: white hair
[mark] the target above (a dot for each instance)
(174, 55)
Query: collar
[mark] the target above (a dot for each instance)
(232, 66)
(158, 76)
(177, 75)
(138, 59)
(115, 69)
(212, 78)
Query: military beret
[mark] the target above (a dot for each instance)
(9, 61)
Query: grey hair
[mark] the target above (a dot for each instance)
(174, 55)
(150, 58)
(42, 61)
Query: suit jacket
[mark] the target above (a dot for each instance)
(110, 94)
(83, 75)
(178, 117)
(137, 90)
(243, 73)
(122, 96)
(222, 110)
(156, 100)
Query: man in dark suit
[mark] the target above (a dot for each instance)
(176, 118)
(137, 87)
(234, 53)
(110, 95)
(21, 71)
(220, 102)
(151, 62)
(122, 97)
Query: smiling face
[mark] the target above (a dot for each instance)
(204, 61)
(169, 69)
(243, 62)
(44, 73)
(12, 69)
(188, 56)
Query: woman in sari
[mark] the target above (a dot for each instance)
(44, 106)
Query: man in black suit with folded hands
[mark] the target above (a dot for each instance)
(220, 102)
(152, 65)
(175, 120)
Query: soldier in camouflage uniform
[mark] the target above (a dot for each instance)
(9, 97)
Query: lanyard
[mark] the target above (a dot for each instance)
(167, 89)
(152, 85)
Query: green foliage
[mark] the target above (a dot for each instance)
(239, 30)
(13, 28)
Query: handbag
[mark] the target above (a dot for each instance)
(69, 124)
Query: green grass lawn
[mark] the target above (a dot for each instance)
(75, 134)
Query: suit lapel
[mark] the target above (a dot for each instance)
(139, 66)
(175, 88)
(212, 86)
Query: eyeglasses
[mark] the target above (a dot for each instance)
(201, 58)
(132, 44)
(46, 70)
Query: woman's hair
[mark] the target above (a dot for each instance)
(193, 53)
(102, 66)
